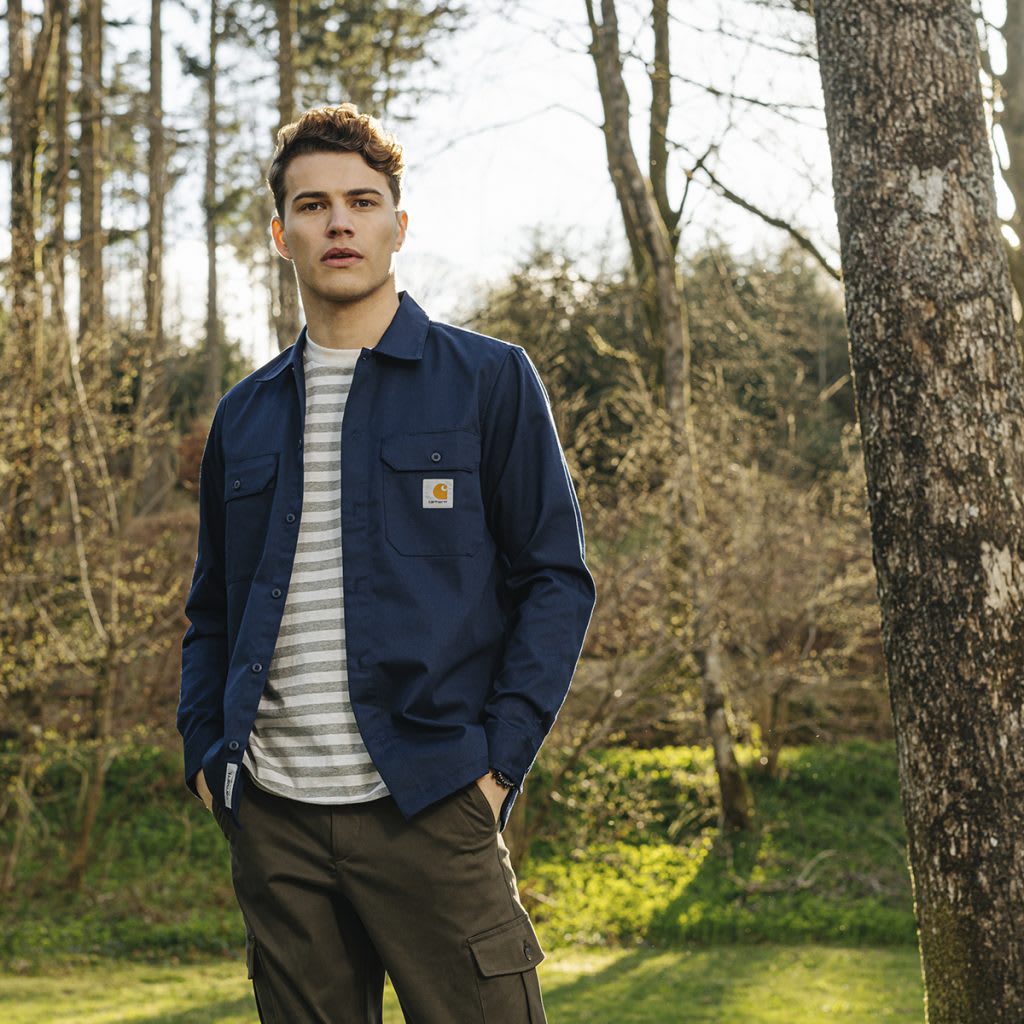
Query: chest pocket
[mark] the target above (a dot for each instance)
(249, 486)
(431, 487)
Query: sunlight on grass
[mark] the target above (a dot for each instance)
(726, 985)
(743, 985)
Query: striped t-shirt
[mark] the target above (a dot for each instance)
(305, 743)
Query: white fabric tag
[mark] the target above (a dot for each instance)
(438, 493)
(229, 782)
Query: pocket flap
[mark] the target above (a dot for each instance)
(510, 948)
(249, 476)
(427, 453)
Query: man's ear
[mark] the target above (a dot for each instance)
(280, 242)
(403, 225)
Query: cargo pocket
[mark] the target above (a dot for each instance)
(506, 961)
(265, 1005)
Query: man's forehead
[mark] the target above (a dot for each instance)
(331, 172)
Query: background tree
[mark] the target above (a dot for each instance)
(938, 378)
(154, 387)
(91, 171)
(651, 228)
(27, 484)
(211, 72)
(285, 311)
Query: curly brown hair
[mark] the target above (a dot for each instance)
(337, 129)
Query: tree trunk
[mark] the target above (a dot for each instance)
(90, 102)
(286, 313)
(214, 353)
(939, 391)
(158, 477)
(734, 793)
(103, 754)
(19, 794)
(55, 266)
(22, 344)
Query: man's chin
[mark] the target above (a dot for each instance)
(352, 294)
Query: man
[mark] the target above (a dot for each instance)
(388, 604)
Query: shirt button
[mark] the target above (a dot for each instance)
(233, 745)
(527, 951)
(237, 484)
(435, 456)
(300, 444)
(276, 592)
(290, 518)
(257, 667)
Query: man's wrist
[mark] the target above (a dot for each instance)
(502, 779)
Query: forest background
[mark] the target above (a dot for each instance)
(724, 769)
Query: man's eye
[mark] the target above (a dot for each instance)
(369, 202)
(307, 206)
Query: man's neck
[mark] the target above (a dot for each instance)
(358, 324)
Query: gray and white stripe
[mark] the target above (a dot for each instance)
(305, 743)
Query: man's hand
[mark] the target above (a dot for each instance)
(204, 790)
(495, 794)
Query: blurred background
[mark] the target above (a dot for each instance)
(713, 828)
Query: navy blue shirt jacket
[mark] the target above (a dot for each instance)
(464, 620)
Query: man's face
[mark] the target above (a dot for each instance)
(350, 208)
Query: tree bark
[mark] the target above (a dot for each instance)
(939, 391)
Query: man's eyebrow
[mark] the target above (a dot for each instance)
(312, 194)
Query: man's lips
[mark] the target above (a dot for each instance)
(340, 257)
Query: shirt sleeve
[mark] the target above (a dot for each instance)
(534, 517)
(204, 648)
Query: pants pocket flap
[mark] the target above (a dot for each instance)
(510, 948)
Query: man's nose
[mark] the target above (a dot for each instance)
(341, 220)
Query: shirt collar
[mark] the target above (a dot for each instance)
(403, 339)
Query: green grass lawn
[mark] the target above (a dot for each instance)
(726, 985)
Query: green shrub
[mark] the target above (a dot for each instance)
(825, 861)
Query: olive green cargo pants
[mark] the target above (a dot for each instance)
(334, 895)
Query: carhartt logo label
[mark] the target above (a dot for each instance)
(229, 782)
(437, 493)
